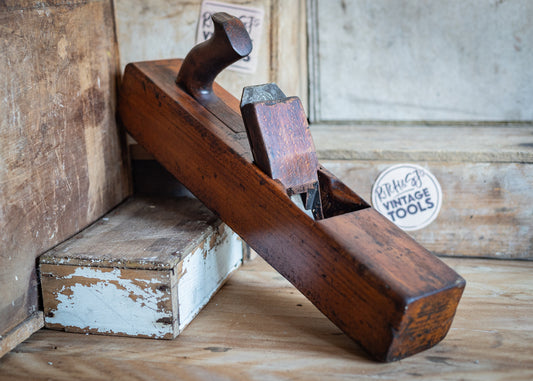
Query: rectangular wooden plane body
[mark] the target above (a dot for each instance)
(371, 279)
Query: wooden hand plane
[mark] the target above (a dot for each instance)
(371, 279)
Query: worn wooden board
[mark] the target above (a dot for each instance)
(144, 270)
(258, 327)
(480, 143)
(485, 206)
(61, 162)
(486, 174)
(411, 60)
(21, 332)
(462, 71)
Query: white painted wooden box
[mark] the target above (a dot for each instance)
(146, 269)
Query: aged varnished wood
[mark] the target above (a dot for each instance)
(371, 279)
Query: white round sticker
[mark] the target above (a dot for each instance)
(408, 195)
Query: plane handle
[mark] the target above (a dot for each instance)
(230, 42)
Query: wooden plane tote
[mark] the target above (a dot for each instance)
(261, 176)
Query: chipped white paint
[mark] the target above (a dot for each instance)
(157, 302)
(104, 301)
(203, 273)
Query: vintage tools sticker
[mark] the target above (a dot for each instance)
(408, 195)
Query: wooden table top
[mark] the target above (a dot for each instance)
(260, 327)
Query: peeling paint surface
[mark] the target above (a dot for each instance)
(204, 272)
(132, 299)
(103, 301)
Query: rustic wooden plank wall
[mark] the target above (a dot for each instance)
(484, 211)
(413, 60)
(485, 174)
(61, 158)
(446, 85)
(475, 162)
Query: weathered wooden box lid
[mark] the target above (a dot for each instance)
(145, 269)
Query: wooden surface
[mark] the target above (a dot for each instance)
(258, 327)
(61, 163)
(143, 233)
(377, 69)
(486, 174)
(480, 143)
(21, 332)
(145, 269)
(418, 60)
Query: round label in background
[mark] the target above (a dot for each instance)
(408, 195)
